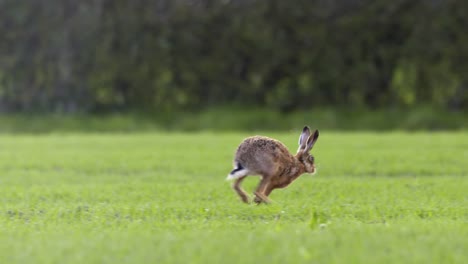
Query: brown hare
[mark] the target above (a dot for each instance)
(270, 159)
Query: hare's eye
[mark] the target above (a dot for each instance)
(311, 158)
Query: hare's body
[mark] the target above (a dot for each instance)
(266, 156)
(270, 159)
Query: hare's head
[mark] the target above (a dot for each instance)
(306, 143)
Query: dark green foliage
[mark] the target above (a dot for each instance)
(167, 55)
(232, 119)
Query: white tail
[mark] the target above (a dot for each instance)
(237, 173)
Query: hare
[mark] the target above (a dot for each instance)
(270, 159)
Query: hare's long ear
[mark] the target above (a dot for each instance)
(311, 140)
(303, 138)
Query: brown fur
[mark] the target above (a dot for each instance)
(270, 159)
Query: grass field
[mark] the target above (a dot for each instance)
(163, 198)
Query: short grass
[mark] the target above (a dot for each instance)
(163, 198)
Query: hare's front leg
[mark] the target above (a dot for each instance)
(236, 186)
(261, 192)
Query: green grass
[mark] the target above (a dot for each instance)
(163, 198)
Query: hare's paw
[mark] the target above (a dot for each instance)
(260, 198)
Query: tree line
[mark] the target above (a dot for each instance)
(171, 55)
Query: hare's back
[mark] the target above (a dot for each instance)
(258, 149)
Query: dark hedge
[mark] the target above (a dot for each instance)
(176, 55)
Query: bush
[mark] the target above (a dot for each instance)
(166, 56)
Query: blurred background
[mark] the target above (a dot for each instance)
(233, 64)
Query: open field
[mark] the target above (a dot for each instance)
(163, 198)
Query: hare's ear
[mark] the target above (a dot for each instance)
(303, 138)
(311, 140)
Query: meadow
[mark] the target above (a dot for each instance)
(390, 197)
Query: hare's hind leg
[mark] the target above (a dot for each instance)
(236, 186)
(261, 195)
